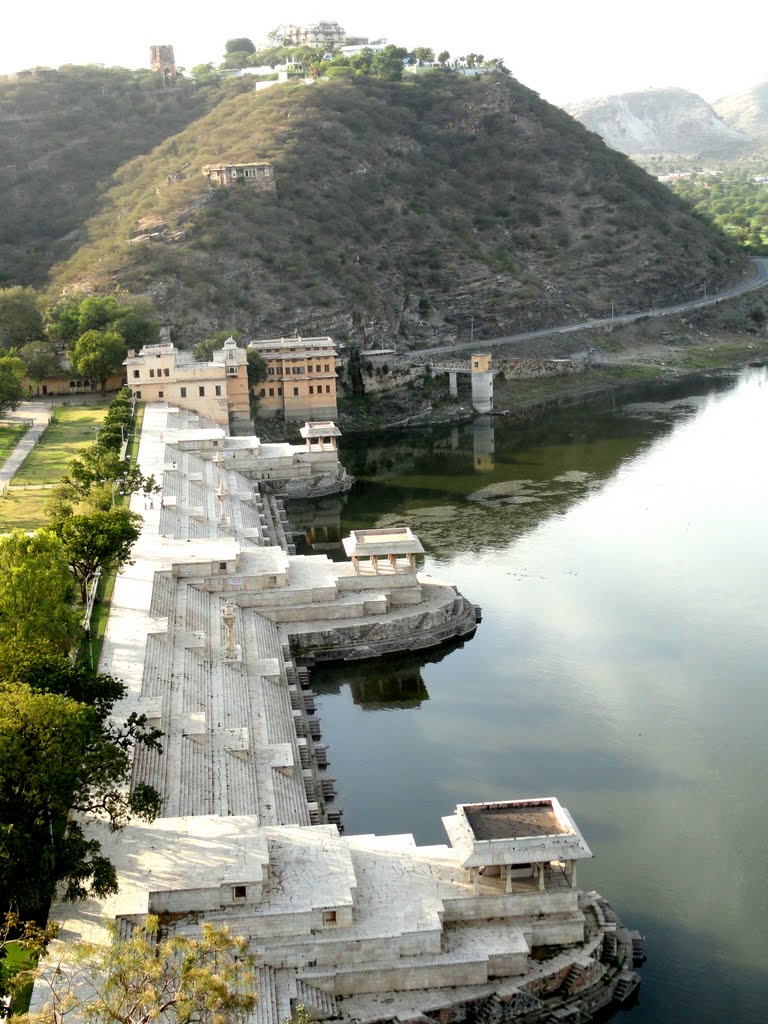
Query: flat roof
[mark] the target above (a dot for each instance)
(514, 820)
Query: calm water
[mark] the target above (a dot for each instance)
(621, 560)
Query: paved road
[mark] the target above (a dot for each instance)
(758, 281)
(38, 415)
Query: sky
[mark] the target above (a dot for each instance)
(564, 49)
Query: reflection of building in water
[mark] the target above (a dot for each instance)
(402, 688)
(483, 444)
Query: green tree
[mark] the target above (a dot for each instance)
(239, 45)
(203, 350)
(55, 754)
(355, 371)
(443, 57)
(98, 540)
(388, 63)
(423, 55)
(40, 359)
(36, 591)
(11, 387)
(150, 977)
(99, 354)
(21, 319)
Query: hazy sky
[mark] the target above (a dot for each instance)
(564, 49)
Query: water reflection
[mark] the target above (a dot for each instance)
(621, 664)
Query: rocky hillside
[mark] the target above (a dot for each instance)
(404, 211)
(671, 121)
(63, 133)
(747, 112)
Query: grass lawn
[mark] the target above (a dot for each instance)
(22, 509)
(70, 431)
(9, 438)
(18, 959)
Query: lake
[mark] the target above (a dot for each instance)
(620, 556)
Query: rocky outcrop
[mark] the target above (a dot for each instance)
(746, 112)
(659, 121)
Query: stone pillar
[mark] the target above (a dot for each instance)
(356, 564)
(476, 881)
(573, 874)
(541, 878)
(508, 869)
(228, 614)
(453, 388)
(392, 562)
(412, 561)
(375, 564)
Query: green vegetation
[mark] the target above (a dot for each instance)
(58, 747)
(733, 201)
(72, 430)
(205, 980)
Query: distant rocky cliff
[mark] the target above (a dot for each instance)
(661, 121)
(747, 112)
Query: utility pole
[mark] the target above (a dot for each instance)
(471, 330)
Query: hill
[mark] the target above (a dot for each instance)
(672, 121)
(747, 112)
(63, 133)
(403, 210)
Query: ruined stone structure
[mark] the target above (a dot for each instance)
(257, 176)
(162, 61)
(301, 378)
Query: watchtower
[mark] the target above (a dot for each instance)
(161, 59)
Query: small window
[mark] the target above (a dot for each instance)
(183, 392)
(327, 389)
(270, 370)
(201, 391)
(239, 892)
(327, 368)
(271, 392)
(311, 390)
(232, 371)
(280, 391)
(223, 565)
(477, 364)
(317, 369)
(329, 917)
(166, 372)
(137, 394)
(262, 393)
(218, 390)
(159, 394)
(295, 391)
(151, 373)
(135, 373)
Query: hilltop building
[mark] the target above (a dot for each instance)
(322, 33)
(301, 378)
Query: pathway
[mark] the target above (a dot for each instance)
(38, 414)
(759, 280)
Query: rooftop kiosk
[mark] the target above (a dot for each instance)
(319, 433)
(525, 840)
(397, 546)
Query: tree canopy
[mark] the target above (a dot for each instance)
(12, 372)
(57, 753)
(99, 354)
(149, 977)
(21, 319)
(36, 591)
(97, 540)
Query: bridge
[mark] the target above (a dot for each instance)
(481, 376)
